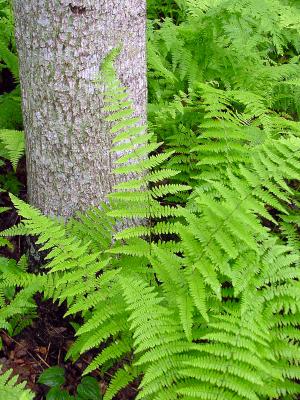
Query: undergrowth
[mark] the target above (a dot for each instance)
(198, 298)
(11, 134)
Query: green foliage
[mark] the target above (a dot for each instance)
(11, 390)
(238, 58)
(188, 280)
(210, 314)
(13, 307)
(13, 145)
(10, 183)
(148, 184)
(10, 103)
(10, 106)
(54, 376)
(164, 9)
(88, 389)
(11, 139)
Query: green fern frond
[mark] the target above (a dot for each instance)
(11, 390)
(120, 380)
(13, 142)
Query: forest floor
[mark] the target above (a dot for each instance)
(45, 342)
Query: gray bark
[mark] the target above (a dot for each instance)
(61, 44)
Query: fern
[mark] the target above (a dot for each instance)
(132, 147)
(13, 142)
(10, 103)
(188, 281)
(10, 390)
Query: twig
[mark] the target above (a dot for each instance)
(41, 358)
(49, 345)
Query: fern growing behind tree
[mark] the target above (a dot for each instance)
(210, 310)
(200, 298)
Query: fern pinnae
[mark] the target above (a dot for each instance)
(11, 390)
(203, 298)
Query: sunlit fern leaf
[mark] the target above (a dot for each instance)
(13, 142)
(11, 390)
(120, 380)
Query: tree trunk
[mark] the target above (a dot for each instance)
(61, 44)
